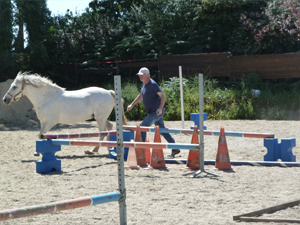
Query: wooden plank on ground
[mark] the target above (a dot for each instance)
(255, 219)
(267, 210)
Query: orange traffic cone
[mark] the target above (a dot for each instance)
(193, 162)
(157, 157)
(222, 160)
(147, 152)
(140, 153)
(131, 159)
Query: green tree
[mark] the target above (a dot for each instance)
(219, 23)
(275, 29)
(137, 29)
(6, 24)
(18, 14)
(37, 18)
(113, 11)
(7, 64)
(182, 27)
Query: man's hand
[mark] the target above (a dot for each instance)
(158, 112)
(136, 100)
(129, 107)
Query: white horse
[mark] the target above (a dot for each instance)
(53, 104)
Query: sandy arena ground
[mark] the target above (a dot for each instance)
(153, 197)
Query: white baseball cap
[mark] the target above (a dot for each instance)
(143, 71)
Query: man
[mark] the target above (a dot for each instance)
(154, 101)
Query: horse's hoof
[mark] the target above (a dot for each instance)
(36, 154)
(89, 152)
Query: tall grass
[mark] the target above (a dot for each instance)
(278, 99)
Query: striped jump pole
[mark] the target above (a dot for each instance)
(152, 129)
(126, 144)
(58, 206)
(206, 132)
(78, 135)
(240, 134)
(240, 163)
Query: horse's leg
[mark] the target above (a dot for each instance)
(45, 127)
(108, 127)
(101, 127)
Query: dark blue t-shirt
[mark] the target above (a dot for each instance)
(151, 99)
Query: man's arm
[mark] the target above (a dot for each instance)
(135, 101)
(162, 102)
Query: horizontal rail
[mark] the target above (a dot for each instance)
(152, 129)
(126, 144)
(78, 135)
(240, 163)
(240, 134)
(58, 206)
(206, 132)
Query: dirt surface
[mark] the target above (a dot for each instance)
(153, 197)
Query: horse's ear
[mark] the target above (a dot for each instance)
(21, 74)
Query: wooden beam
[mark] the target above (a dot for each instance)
(97, 70)
(266, 210)
(255, 219)
(137, 64)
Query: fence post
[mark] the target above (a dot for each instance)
(120, 150)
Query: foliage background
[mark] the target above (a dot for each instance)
(223, 100)
(139, 29)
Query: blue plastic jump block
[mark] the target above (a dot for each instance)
(195, 119)
(49, 162)
(281, 150)
(127, 136)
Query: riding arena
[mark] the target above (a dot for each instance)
(158, 196)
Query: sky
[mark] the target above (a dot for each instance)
(61, 6)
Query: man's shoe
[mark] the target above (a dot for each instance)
(175, 153)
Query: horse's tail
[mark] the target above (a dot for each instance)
(125, 121)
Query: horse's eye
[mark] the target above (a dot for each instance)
(14, 87)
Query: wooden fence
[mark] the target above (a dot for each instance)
(216, 65)
(273, 66)
(77, 70)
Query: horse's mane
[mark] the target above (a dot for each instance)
(36, 80)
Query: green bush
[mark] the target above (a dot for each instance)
(222, 100)
(129, 92)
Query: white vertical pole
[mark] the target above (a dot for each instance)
(120, 150)
(181, 97)
(201, 132)
(201, 127)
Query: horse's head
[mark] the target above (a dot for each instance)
(15, 92)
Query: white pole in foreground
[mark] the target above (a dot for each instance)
(201, 127)
(120, 150)
(201, 133)
(181, 97)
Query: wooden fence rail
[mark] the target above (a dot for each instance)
(273, 66)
